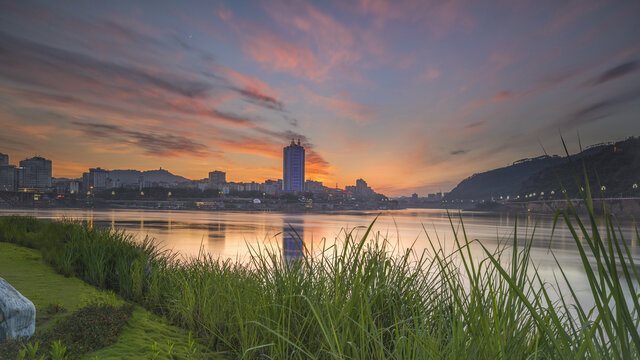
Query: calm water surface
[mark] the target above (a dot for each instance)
(228, 234)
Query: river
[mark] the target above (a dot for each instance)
(229, 234)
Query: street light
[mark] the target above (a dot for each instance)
(169, 193)
(603, 188)
(113, 193)
(142, 193)
(634, 186)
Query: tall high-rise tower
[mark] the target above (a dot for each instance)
(293, 167)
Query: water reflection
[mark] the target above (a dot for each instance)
(229, 234)
(217, 232)
(292, 238)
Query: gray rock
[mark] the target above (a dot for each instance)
(17, 313)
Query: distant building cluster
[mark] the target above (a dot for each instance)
(432, 200)
(33, 174)
(361, 189)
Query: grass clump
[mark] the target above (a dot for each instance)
(366, 299)
(83, 331)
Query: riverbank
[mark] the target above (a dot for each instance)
(361, 299)
(58, 298)
(290, 204)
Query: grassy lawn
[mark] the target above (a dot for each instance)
(145, 335)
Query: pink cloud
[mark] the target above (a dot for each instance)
(340, 104)
(439, 17)
(430, 73)
(224, 12)
(283, 56)
(503, 95)
(306, 42)
(252, 87)
(501, 59)
(571, 13)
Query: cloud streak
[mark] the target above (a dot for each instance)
(613, 73)
(598, 110)
(153, 144)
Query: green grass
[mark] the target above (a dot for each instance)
(366, 299)
(145, 332)
(24, 269)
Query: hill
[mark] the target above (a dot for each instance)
(617, 166)
(129, 177)
(502, 181)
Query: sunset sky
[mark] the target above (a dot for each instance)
(412, 96)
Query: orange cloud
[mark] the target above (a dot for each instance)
(66, 168)
(246, 81)
(316, 166)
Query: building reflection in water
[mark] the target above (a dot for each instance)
(292, 239)
(217, 231)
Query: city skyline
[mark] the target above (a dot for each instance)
(413, 96)
(34, 175)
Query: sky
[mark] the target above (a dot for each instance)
(412, 96)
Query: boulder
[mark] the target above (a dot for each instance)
(17, 313)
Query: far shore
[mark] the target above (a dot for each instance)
(621, 208)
